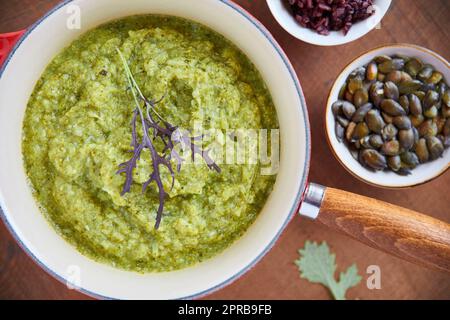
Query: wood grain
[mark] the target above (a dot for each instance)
(405, 233)
(421, 22)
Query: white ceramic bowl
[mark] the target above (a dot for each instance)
(21, 214)
(282, 13)
(424, 172)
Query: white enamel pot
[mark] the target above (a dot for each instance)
(419, 238)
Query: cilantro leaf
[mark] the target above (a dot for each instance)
(318, 265)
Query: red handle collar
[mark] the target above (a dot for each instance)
(7, 42)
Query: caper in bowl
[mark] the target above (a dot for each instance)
(388, 116)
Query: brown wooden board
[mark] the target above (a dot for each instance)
(422, 22)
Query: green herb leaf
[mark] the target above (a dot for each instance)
(318, 265)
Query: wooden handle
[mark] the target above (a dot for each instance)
(405, 233)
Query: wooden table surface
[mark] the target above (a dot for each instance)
(422, 22)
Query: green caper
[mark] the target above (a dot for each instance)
(413, 66)
(349, 131)
(435, 147)
(407, 87)
(361, 131)
(402, 122)
(405, 58)
(376, 93)
(373, 159)
(391, 65)
(428, 129)
(336, 108)
(367, 84)
(339, 130)
(342, 121)
(431, 98)
(404, 76)
(421, 150)
(354, 85)
(387, 118)
(406, 139)
(374, 121)
(376, 141)
(415, 106)
(389, 132)
(425, 73)
(416, 134)
(372, 71)
(359, 73)
(348, 109)
(431, 112)
(404, 102)
(394, 163)
(361, 112)
(392, 107)
(416, 121)
(365, 142)
(391, 148)
(420, 94)
(398, 76)
(410, 159)
(442, 88)
(360, 97)
(435, 78)
(391, 90)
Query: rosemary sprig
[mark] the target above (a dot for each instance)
(156, 128)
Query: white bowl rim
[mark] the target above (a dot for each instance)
(312, 37)
(302, 186)
(329, 127)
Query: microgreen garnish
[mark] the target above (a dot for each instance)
(153, 126)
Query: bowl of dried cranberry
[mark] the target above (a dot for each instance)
(328, 22)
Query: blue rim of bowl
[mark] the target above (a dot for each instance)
(294, 208)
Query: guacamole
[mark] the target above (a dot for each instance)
(76, 132)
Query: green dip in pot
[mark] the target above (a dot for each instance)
(77, 132)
